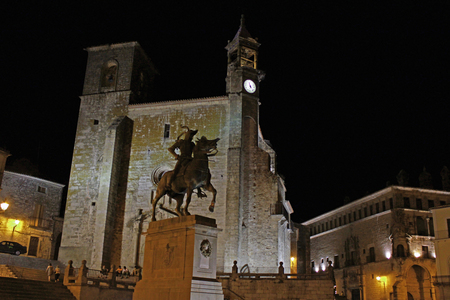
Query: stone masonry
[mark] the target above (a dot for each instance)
(121, 152)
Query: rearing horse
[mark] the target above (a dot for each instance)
(194, 176)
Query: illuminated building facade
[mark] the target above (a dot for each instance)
(380, 246)
(33, 215)
(441, 219)
(121, 152)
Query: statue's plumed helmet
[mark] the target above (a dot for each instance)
(188, 134)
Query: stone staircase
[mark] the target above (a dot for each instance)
(26, 273)
(21, 289)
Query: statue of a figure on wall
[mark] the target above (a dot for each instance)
(445, 174)
(425, 180)
(403, 178)
(190, 173)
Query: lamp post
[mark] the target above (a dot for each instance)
(383, 279)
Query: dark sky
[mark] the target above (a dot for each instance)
(354, 91)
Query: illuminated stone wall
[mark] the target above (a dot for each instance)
(120, 148)
(23, 193)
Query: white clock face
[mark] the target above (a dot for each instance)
(250, 86)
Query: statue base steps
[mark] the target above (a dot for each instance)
(180, 260)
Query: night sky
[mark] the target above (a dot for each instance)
(354, 91)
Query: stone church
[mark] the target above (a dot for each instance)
(120, 154)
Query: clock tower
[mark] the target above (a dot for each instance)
(242, 87)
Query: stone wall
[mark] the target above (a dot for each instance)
(101, 201)
(24, 193)
(271, 289)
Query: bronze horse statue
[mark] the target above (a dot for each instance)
(194, 175)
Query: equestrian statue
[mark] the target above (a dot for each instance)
(190, 173)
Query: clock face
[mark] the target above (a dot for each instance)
(250, 86)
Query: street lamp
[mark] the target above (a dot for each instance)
(4, 206)
(17, 223)
(383, 279)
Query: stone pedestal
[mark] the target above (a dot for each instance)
(180, 260)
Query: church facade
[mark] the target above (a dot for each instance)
(120, 154)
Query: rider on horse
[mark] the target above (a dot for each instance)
(186, 147)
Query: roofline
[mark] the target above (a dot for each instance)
(37, 178)
(112, 46)
(176, 102)
(372, 197)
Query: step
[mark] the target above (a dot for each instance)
(28, 289)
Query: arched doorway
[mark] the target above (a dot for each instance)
(418, 283)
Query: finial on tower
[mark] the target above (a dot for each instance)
(242, 21)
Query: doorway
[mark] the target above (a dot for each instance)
(355, 294)
(33, 246)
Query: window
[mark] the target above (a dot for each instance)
(425, 252)
(323, 227)
(448, 227)
(365, 212)
(42, 189)
(166, 131)
(345, 220)
(312, 267)
(421, 226)
(38, 217)
(371, 210)
(406, 202)
(430, 203)
(331, 224)
(354, 216)
(95, 122)
(419, 203)
(400, 251)
(353, 256)
(340, 221)
(383, 205)
(359, 214)
(335, 222)
(371, 254)
(431, 227)
(442, 203)
(377, 207)
(391, 203)
(326, 225)
(336, 261)
(349, 217)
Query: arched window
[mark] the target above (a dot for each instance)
(109, 74)
(400, 251)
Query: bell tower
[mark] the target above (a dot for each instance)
(116, 75)
(242, 87)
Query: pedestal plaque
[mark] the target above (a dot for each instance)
(180, 260)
